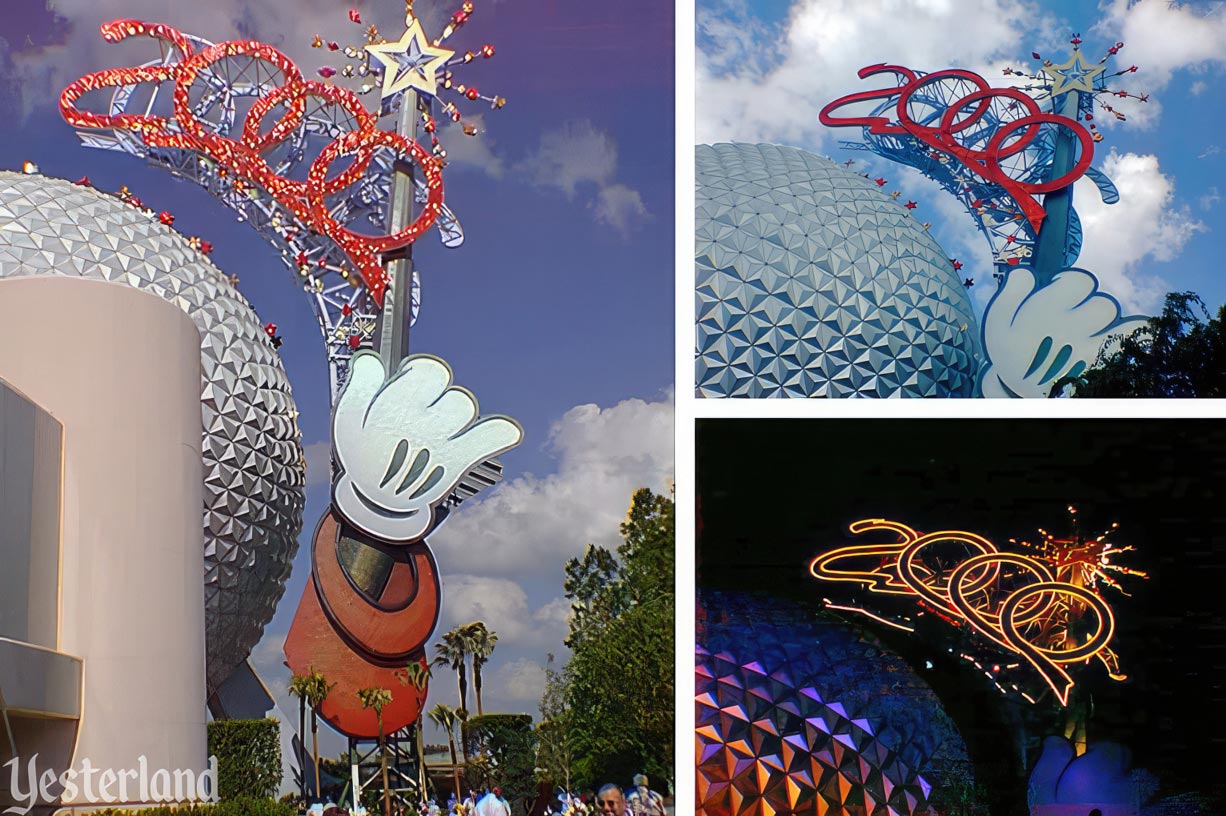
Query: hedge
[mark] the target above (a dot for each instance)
(241, 806)
(248, 758)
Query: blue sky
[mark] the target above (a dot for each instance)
(766, 68)
(558, 310)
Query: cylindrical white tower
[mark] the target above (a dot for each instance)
(120, 369)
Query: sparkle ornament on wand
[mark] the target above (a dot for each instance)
(417, 65)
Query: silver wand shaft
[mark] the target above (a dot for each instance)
(392, 337)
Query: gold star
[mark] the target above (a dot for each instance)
(1074, 75)
(413, 62)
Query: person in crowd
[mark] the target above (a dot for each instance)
(492, 804)
(611, 801)
(642, 801)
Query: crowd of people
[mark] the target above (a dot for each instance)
(485, 803)
(611, 800)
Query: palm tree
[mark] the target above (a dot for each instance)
(482, 642)
(461, 716)
(298, 685)
(444, 716)
(377, 698)
(417, 675)
(453, 651)
(316, 691)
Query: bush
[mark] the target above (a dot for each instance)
(248, 806)
(248, 758)
(241, 806)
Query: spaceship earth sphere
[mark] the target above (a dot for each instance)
(811, 282)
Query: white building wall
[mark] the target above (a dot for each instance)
(120, 368)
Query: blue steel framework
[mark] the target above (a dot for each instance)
(1011, 156)
(346, 311)
(1028, 149)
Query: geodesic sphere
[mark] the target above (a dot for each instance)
(799, 712)
(253, 468)
(811, 282)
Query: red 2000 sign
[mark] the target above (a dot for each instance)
(965, 116)
(243, 158)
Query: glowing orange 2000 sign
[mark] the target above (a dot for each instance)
(243, 158)
(1015, 601)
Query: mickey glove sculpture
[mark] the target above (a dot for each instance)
(403, 443)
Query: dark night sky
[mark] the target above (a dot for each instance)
(775, 493)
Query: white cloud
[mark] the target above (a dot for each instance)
(1210, 199)
(579, 156)
(513, 679)
(1198, 87)
(555, 613)
(739, 38)
(773, 93)
(1144, 226)
(620, 207)
(603, 456)
(492, 548)
(579, 153)
(520, 681)
(473, 151)
(503, 605)
(1162, 37)
(268, 660)
(1211, 150)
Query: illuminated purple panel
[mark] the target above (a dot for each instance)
(796, 714)
(774, 752)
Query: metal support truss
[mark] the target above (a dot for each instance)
(345, 311)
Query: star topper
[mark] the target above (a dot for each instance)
(412, 62)
(1074, 75)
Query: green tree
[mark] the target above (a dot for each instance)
(503, 748)
(553, 752)
(1179, 353)
(453, 651)
(619, 681)
(482, 642)
(377, 698)
(417, 675)
(298, 685)
(317, 690)
(444, 717)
